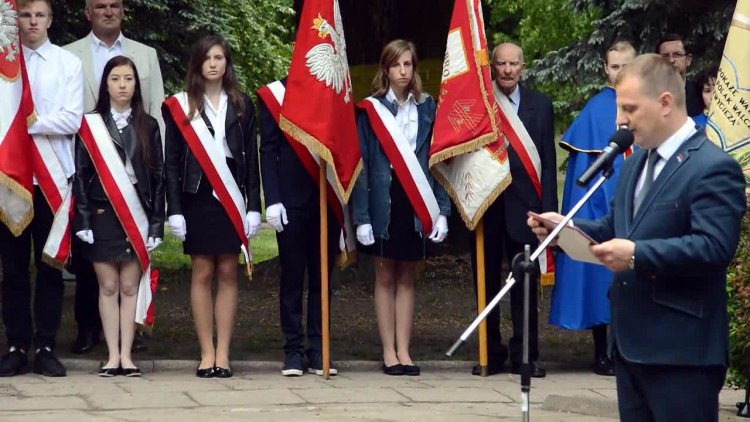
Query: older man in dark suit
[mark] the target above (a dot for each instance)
(534, 188)
(672, 230)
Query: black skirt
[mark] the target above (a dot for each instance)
(404, 243)
(111, 244)
(209, 229)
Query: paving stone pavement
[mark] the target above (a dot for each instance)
(446, 391)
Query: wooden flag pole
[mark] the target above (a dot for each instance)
(324, 269)
(481, 298)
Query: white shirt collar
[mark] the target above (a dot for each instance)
(223, 98)
(97, 42)
(515, 96)
(391, 97)
(43, 50)
(121, 119)
(670, 146)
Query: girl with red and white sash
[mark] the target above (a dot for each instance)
(396, 203)
(119, 128)
(213, 190)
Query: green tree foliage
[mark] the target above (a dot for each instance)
(261, 35)
(258, 32)
(703, 23)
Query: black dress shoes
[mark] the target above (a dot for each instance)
(220, 372)
(394, 370)
(604, 366)
(46, 363)
(109, 372)
(85, 341)
(536, 370)
(205, 372)
(131, 372)
(412, 370)
(14, 363)
(493, 368)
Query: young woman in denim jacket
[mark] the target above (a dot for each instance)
(386, 222)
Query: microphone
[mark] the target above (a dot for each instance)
(618, 143)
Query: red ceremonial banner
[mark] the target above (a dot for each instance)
(16, 114)
(318, 109)
(467, 155)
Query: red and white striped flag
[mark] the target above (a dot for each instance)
(16, 114)
(467, 155)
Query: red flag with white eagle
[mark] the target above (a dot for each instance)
(16, 114)
(318, 109)
(467, 155)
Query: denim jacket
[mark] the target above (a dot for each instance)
(371, 201)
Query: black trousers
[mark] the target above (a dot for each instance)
(656, 393)
(498, 245)
(299, 253)
(16, 286)
(87, 290)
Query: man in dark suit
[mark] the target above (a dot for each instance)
(504, 227)
(292, 209)
(671, 233)
(672, 48)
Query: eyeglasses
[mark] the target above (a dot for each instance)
(676, 55)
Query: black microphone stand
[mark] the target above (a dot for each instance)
(525, 263)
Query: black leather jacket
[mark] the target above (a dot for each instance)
(87, 187)
(184, 173)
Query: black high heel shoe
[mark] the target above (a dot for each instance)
(209, 372)
(220, 372)
(131, 372)
(109, 372)
(395, 370)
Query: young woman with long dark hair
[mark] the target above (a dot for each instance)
(213, 190)
(99, 222)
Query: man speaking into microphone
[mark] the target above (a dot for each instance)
(669, 236)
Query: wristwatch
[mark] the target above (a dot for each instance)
(631, 264)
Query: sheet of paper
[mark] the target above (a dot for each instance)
(572, 240)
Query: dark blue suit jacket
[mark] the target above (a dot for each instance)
(672, 309)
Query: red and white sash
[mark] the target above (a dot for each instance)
(210, 156)
(404, 162)
(272, 96)
(521, 142)
(124, 200)
(56, 189)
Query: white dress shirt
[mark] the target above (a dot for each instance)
(666, 150)
(56, 81)
(218, 119)
(102, 53)
(406, 117)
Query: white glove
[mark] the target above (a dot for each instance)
(276, 216)
(364, 234)
(252, 224)
(152, 243)
(177, 226)
(86, 235)
(439, 229)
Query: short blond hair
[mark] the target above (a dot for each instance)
(657, 76)
(620, 47)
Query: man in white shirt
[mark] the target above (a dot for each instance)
(56, 80)
(104, 42)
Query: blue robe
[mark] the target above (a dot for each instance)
(701, 120)
(579, 298)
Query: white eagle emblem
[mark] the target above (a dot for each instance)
(326, 62)
(8, 31)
